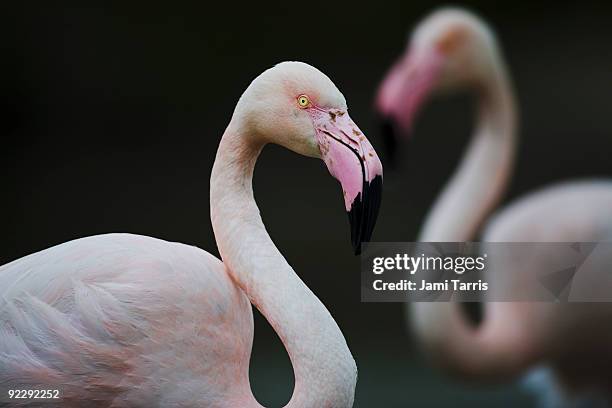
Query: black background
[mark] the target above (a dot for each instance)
(111, 114)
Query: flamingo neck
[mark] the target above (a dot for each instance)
(324, 369)
(484, 172)
(489, 349)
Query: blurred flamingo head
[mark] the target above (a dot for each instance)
(450, 49)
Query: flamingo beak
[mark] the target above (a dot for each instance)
(351, 159)
(404, 90)
(388, 132)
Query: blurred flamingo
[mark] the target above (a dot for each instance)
(450, 50)
(125, 320)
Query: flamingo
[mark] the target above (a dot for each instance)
(125, 320)
(452, 49)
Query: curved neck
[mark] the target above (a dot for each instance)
(324, 369)
(489, 350)
(483, 173)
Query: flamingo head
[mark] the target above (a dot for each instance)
(295, 105)
(450, 49)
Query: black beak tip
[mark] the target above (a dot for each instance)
(364, 212)
(357, 248)
(389, 136)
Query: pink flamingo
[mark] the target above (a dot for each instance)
(452, 49)
(125, 320)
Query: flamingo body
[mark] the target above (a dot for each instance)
(573, 338)
(121, 315)
(579, 211)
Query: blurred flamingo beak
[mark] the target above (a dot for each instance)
(405, 88)
(351, 159)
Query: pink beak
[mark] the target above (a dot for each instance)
(407, 85)
(351, 159)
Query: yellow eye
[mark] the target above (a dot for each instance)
(303, 101)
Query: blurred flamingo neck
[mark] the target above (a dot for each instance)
(483, 174)
(324, 368)
(471, 194)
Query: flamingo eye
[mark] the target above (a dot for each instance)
(303, 101)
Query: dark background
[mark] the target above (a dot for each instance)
(111, 115)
